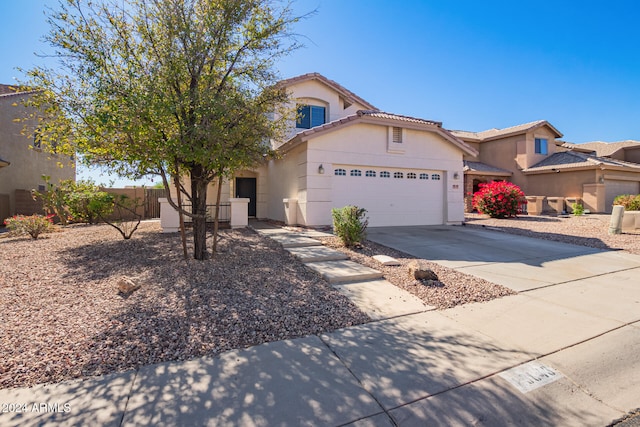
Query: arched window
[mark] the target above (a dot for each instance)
(385, 174)
(435, 177)
(411, 175)
(371, 174)
(340, 172)
(398, 175)
(356, 172)
(424, 176)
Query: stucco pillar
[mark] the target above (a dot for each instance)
(615, 227)
(169, 218)
(239, 212)
(290, 211)
(556, 204)
(593, 196)
(571, 201)
(534, 205)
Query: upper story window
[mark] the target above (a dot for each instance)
(541, 146)
(310, 116)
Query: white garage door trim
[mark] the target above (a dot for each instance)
(391, 196)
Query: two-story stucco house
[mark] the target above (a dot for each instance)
(342, 150)
(532, 157)
(22, 162)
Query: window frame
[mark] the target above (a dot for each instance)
(313, 120)
(541, 146)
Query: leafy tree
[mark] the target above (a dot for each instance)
(180, 88)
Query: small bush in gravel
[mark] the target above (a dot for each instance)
(578, 209)
(33, 225)
(350, 224)
(499, 199)
(629, 201)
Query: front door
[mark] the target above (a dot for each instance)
(246, 189)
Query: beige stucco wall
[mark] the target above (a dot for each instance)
(632, 155)
(27, 164)
(284, 178)
(296, 175)
(314, 92)
(516, 153)
(564, 184)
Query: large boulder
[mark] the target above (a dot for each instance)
(419, 270)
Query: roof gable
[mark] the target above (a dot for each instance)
(492, 134)
(383, 119)
(604, 149)
(344, 92)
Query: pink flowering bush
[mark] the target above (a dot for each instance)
(33, 225)
(499, 199)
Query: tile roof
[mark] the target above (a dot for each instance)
(575, 159)
(335, 85)
(604, 149)
(383, 115)
(490, 134)
(7, 89)
(484, 168)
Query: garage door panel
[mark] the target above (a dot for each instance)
(392, 201)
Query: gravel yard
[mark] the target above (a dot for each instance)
(456, 288)
(584, 230)
(62, 317)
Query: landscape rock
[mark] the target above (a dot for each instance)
(419, 270)
(127, 286)
(432, 283)
(386, 260)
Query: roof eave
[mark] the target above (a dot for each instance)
(346, 93)
(487, 173)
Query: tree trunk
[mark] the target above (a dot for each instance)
(183, 237)
(216, 218)
(199, 200)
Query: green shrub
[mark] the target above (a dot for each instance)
(578, 209)
(33, 225)
(499, 199)
(630, 202)
(350, 224)
(87, 203)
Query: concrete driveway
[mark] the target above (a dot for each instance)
(517, 262)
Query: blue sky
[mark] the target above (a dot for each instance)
(474, 65)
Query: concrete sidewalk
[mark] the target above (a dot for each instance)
(565, 351)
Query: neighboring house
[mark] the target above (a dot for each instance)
(532, 157)
(342, 150)
(22, 162)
